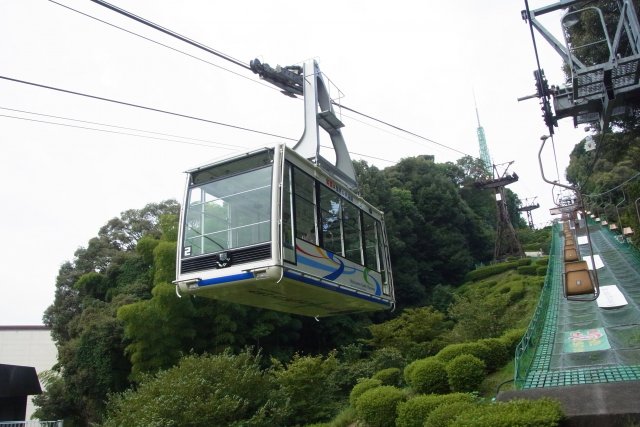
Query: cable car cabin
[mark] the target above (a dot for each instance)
(270, 229)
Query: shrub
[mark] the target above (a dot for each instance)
(541, 271)
(452, 351)
(490, 270)
(522, 413)
(389, 376)
(443, 415)
(304, 376)
(387, 357)
(429, 376)
(415, 411)
(465, 373)
(528, 270)
(524, 261)
(377, 406)
(542, 261)
(362, 386)
(511, 338)
(496, 355)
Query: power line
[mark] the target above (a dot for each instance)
(221, 144)
(157, 110)
(114, 132)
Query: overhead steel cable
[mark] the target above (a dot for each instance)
(245, 66)
(157, 110)
(164, 45)
(401, 129)
(172, 33)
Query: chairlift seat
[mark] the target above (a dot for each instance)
(604, 222)
(571, 254)
(613, 227)
(577, 279)
(627, 231)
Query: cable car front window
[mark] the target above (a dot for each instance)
(229, 213)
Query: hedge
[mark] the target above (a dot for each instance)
(490, 270)
(377, 406)
(497, 354)
(512, 338)
(389, 376)
(416, 410)
(428, 375)
(541, 271)
(528, 270)
(362, 386)
(521, 413)
(466, 373)
(445, 414)
(452, 351)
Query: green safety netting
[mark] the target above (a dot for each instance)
(575, 342)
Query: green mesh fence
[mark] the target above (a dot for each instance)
(571, 342)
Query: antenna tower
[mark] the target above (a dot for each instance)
(482, 141)
(507, 243)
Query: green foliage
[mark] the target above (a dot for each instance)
(528, 270)
(521, 413)
(542, 261)
(465, 373)
(496, 355)
(225, 389)
(490, 270)
(363, 385)
(511, 338)
(389, 376)
(427, 376)
(415, 333)
(541, 271)
(443, 415)
(452, 351)
(305, 384)
(415, 411)
(377, 406)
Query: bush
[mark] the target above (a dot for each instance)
(475, 348)
(541, 271)
(524, 261)
(528, 270)
(522, 413)
(415, 411)
(362, 386)
(222, 389)
(304, 376)
(542, 261)
(377, 406)
(511, 338)
(429, 376)
(389, 376)
(443, 415)
(465, 373)
(490, 270)
(496, 355)
(387, 357)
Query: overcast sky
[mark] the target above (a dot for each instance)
(413, 64)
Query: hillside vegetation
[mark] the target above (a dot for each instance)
(132, 353)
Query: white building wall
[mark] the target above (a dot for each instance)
(28, 346)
